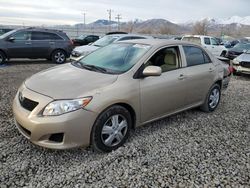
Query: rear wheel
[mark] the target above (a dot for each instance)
(111, 129)
(58, 56)
(2, 58)
(212, 99)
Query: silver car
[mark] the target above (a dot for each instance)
(100, 98)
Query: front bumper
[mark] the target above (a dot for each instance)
(240, 69)
(56, 132)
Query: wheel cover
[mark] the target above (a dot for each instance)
(114, 130)
(214, 98)
(59, 57)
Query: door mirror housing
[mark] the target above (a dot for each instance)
(152, 71)
(11, 39)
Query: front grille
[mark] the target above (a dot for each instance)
(27, 103)
(245, 64)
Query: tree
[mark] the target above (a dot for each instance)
(167, 30)
(201, 27)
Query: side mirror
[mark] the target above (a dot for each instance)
(244, 51)
(152, 71)
(11, 39)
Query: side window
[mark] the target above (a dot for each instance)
(125, 38)
(23, 35)
(168, 59)
(207, 41)
(214, 42)
(137, 37)
(36, 35)
(89, 39)
(195, 56)
(52, 36)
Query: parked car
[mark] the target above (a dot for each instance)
(237, 50)
(241, 64)
(35, 43)
(85, 39)
(114, 89)
(4, 30)
(210, 43)
(104, 41)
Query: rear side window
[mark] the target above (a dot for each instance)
(207, 41)
(36, 35)
(196, 40)
(195, 56)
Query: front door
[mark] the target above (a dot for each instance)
(21, 46)
(165, 94)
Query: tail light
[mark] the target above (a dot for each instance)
(230, 69)
(71, 42)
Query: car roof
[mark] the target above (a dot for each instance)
(196, 36)
(159, 42)
(128, 35)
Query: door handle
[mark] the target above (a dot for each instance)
(28, 43)
(181, 77)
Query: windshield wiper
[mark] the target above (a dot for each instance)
(94, 68)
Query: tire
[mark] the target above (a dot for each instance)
(223, 54)
(111, 129)
(58, 56)
(212, 99)
(2, 58)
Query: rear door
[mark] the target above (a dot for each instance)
(199, 72)
(161, 95)
(21, 46)
(43, 43)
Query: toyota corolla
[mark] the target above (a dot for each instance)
(97, 100)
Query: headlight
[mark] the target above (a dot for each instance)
(236, 61)
(59, 107)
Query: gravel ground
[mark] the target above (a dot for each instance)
(191, 149)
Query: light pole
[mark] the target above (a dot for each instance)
(110, 16)
(118, 17)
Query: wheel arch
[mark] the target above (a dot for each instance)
(6, 56)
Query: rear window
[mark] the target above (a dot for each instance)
(36, 35)
(195, 56)
(196, 40)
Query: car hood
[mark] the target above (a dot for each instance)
(85, 48)
(68, 82)
(244, 57)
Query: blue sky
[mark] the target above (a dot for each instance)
(51, 12)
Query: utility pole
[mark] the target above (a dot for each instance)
(118, 17)
(110, 17)
(84, 19)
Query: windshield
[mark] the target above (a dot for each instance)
(115, 58)
(104, 41)
(242, 46)
(7, 34)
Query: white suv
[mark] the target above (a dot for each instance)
(210, 43)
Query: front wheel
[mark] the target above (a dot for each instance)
(58, 56)
(2, 58)
(212, 99)
(111, 129)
